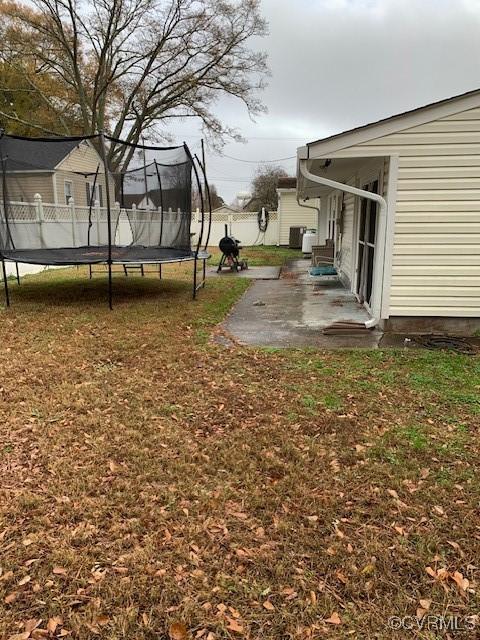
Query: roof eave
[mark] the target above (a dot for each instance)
(387, 126)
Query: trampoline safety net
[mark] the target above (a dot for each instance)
(94, 199)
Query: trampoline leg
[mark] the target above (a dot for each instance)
(110, 297)
(142, 271)
(18, 273)
(195, 278)
(204, 274)
(5, 284)
(160, 270)
(90, 271)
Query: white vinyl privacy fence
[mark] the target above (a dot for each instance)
(243, 225)
(67, 225)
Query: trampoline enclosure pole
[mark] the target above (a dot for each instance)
(5, 283)
(199, 243)
(109, 218)
(207, 189)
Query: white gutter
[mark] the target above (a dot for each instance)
(361, 193)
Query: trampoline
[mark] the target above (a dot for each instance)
(100, 200)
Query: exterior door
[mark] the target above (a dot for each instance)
(367, 236)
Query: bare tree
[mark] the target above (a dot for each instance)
(132, 66)
(264, 186)
(216, 200)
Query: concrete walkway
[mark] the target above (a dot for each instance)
(254, 273)
(292, 311)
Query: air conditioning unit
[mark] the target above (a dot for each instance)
(296, 237)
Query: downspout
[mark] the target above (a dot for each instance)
(311, 206)
(361, 193)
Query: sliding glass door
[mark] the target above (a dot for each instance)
(367, 236)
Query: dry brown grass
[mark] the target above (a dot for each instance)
(150, 477)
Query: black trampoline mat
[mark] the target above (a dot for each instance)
(96, 255)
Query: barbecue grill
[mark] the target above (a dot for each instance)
(230, 248)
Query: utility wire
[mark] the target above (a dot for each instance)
(224, 155)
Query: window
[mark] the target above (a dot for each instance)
(97, 196)
(68, 190)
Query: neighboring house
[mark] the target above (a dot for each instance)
(416, 266)
(56, 170)
(225, 209)
(168, 198)
(291, 214)
(253, 204)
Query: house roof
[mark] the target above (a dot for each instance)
(287, 183)
(35, 155)
(398, 116)
(226, 207)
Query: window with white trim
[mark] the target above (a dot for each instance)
(97, 195)
(68, 190)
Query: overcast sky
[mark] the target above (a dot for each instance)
(337, 64)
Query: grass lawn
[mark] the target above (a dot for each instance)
(156, 485)
(261, 255)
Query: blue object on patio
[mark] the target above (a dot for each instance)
(323, 271)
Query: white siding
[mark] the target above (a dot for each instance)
(291, 215)
(436, 251)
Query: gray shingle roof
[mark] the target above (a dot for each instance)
(34, 155)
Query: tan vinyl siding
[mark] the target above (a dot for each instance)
(436, 251)
(22, 187)
(82, 160)
(291, 215)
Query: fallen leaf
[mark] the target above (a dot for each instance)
(439, 510)
(425, 604)
(6, 576)
(11, 597)
(53, 623)
(20, 636)
(431, 572)
(28, 563)
(421, 612)
(177, 631)
(32, 624)
(334, 619)
(368, 569)
(234, 625)
(268, 605)
(24, 580)
(59, 571)
(461, 582)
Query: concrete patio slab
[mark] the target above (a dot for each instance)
(254, 273)
(292, 311)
